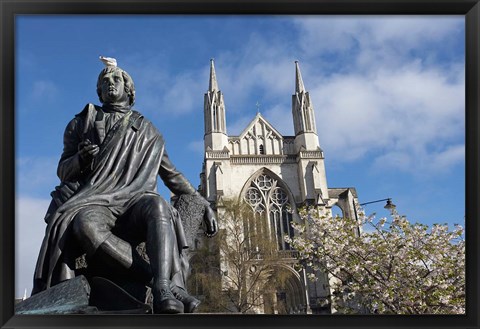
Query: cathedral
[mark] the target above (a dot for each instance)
(274, 175)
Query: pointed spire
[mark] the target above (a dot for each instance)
(299, 87)
(303, 115)
(216, 137)
(213, 85)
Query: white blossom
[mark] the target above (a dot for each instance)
(399, 268)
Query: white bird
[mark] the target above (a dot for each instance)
(108, 61)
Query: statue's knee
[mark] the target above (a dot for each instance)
(163, 206)
(83, 225)
(155, 207)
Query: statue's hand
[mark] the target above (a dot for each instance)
(87, 151)
(210, 222)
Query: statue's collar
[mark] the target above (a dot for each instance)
(109, 108)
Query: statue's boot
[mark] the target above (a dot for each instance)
(115, 253)
(160, 248)
(190, 303)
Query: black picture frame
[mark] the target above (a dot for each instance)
(10, 8)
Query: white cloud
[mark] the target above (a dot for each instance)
(29, 233)
(278, 116)
(421, 162)
(411, 31)
(398, 112)
(185, 94)
(45, 90)
(373, 38)
(36, 174)
(453, 155)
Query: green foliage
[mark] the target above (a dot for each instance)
(248, 255)
(204, 281)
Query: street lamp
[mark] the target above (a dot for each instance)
(388, 206)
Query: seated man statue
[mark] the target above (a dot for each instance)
(108, 198)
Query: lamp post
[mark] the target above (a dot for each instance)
(388, 206)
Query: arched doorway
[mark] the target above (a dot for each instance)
(284, 293)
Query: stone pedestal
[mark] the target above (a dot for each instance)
(69, 297)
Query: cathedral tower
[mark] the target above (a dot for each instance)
(311, 166)
(214, 109)
(303, 116)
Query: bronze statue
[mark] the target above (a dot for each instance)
(107, 201)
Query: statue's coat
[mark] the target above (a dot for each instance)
(131, 157)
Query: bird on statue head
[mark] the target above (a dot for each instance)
(108, 61)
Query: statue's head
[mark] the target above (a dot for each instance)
(128, 83)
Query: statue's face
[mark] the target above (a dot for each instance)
(113, 87)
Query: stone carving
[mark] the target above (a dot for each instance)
(191, 209)
(107, 205)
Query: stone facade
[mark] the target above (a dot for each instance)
(270, 172)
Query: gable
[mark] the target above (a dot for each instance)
(260, 128)
(259, 138)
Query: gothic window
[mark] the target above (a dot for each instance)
(214, 113)
(270, 202)
(262, 149)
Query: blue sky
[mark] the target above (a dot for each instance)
(388, 94)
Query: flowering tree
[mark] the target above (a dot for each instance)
(392, 267)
